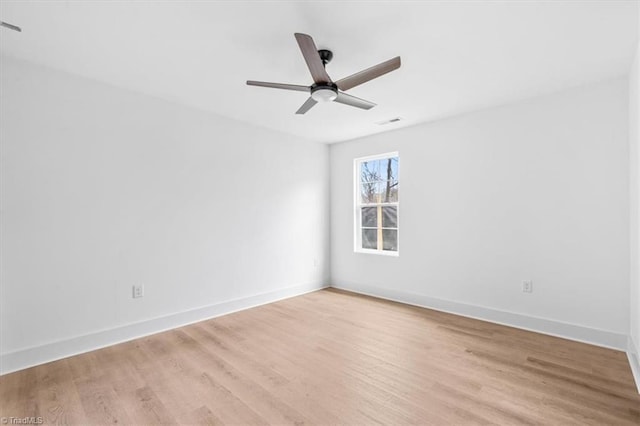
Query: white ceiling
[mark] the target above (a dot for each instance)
(457, 56)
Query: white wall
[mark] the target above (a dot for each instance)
(634, 194)
(103, 188)
(535, 190)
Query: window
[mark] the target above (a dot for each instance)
(376, 204)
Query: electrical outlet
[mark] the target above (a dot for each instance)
(527, 286)
(138, 291)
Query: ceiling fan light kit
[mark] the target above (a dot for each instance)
(324, 89)
(324, 93)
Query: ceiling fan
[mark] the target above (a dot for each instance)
(323, 88)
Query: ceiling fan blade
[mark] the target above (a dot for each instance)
(311, 56)
(343, 98)
(297, 87)
(306, 106)
(368, 74)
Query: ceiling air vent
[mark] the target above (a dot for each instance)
(10, 26)
(393, 120)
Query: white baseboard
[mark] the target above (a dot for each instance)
(579, 333)
(25, 358)
(633, 353)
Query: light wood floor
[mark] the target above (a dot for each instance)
(332, 357)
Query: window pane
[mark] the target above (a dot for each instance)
(389, 217)
(370, 171)
(379, 170)
(389, 168)
(390, 239)
(379, 192)
(369, 217)
(370, 238)
(369, 192)
(389, 191)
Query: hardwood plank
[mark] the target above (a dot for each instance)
(57, 395)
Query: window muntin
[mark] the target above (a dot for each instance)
(376, 202)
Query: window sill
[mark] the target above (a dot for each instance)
(378, 252)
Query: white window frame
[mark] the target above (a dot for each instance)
(357, 205)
